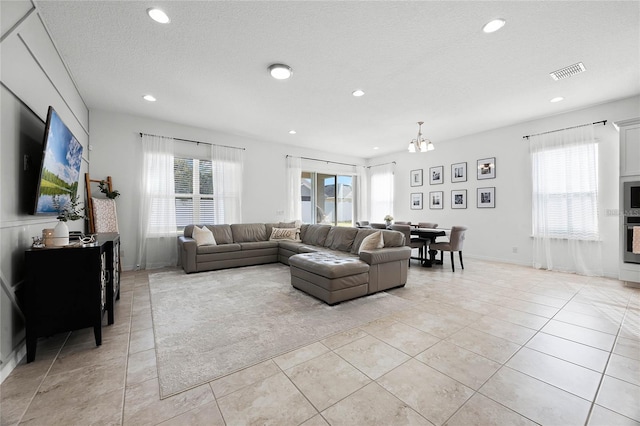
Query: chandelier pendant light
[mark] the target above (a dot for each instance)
(420, 144)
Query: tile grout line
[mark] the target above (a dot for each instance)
(126, 367)
(44, 377)
(606, 366)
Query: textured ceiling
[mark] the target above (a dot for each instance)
(416, 61)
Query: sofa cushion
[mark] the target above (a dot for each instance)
(293, 246)
(220, 248)
(372, 242)
(316, 234)
(393, 238)
(221, 233)
(203, 236)
(340, 238)
(248, 232)
(327, 265)
(255, 245)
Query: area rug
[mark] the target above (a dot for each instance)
(211, 324)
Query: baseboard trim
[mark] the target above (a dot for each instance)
(13, 360)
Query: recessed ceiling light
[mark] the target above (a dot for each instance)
(375, 147)
(493, 26)
(358, 93)
(149, 98)
(557, 99)
(280, 71)
(292, 132)
(158, 15)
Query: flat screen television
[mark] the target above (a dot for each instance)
(60, 167)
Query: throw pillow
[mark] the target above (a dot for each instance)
(203, 236)
(373, 241)
(285, 234)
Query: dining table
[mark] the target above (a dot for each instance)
(429, 235)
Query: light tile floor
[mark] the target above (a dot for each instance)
(492, 344)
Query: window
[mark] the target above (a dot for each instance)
(327, 198)
(381, 192)
(194, 191)
(565, 191)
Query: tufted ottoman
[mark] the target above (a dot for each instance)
(328, 277)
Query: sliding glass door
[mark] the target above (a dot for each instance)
(327, 198)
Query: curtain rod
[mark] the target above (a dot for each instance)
(192, 141)
(383, 164)
(324, 161)
(604, 122)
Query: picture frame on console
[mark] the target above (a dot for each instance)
(487, 168)
(436, 175)
(416, 177)
(486, 198)
(436, 200)
(459, 172)
(416, 201)
(459, 199)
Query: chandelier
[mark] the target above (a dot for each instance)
(419, 143)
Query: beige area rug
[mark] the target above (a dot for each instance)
(211, 324)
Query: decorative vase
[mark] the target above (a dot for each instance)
(388, 223)
(61, 234)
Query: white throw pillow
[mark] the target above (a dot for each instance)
(372, 242)
(203, 236)
(285, 234)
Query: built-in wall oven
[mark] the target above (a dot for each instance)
(631, 221)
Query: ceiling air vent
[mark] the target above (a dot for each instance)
(569, 71)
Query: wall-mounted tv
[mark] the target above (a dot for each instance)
(60, 168)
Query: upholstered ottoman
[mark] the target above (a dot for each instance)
(329, 277)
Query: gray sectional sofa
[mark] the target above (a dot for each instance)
(325, 262)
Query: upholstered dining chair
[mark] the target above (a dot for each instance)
(363, 224)
(455, 243)
(402, 223)
(412, 243)
(427, 225)
(378, 225)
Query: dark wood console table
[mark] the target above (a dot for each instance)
(69, 288)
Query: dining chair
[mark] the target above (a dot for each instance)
(363, 224)
(409, 242)
(378, 225)
(427, 225)
(402, 223)
(455, 243)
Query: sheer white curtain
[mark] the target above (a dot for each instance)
(566, 234)
(227, 165)
(294, 181)
(157, 239)
(362, 205)
(381, 191)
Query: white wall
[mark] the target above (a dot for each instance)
(116, 152)
(494, 233)
(33, 77)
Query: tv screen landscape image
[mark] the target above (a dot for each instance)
(60, 170)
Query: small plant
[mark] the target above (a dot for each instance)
(70, 211)
(104, 188)
(388, 218)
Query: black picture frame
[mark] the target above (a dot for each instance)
(459, 172)
(487, 168)
(416, 177)
(436, 175)
(486, 197)
(459, 199)
(436, 200)
(416, 201)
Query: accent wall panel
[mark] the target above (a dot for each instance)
(39, 43)
(11, 12)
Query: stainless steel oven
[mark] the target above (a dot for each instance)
(631, 219)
